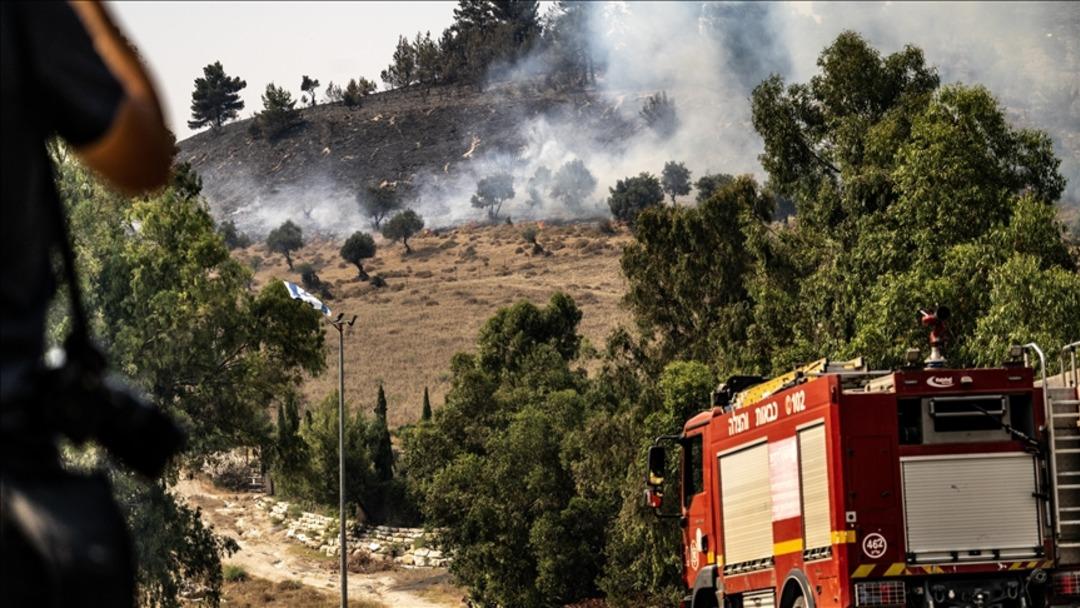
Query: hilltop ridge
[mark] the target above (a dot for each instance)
(393, 138)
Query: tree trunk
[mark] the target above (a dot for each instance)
(360, 270)
(405, 241)
(288, 260)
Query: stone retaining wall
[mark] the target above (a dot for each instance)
(405, 546)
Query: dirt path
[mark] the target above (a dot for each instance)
(265, 553)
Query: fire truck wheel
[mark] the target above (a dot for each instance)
(800, 602)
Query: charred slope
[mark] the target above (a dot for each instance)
(394, 136)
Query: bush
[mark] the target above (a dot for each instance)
(279, 113)
(233, 238)
(233, 573)
(378, 281)
(606, 227)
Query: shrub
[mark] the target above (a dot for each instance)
(233, 573)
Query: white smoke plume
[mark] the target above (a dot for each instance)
(708, 57)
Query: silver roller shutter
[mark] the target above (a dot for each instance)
(981, 503)
(744, 482)
(813, 469)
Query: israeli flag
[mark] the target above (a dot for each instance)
(298, 293)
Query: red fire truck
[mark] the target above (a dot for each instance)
(923, 486)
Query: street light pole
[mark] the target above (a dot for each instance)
(343, 552)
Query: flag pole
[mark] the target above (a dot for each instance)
(343, 548)
(297, 293)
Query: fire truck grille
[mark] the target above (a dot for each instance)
(972, 507)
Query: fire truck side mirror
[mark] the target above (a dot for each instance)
(657, 465)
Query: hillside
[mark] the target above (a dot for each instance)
(399, 137)
(438, 297)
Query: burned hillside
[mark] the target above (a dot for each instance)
(397, 138)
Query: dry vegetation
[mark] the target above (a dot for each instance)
(256, 592)
(438, 297)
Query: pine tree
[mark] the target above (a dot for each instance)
(425, 414)
(309, 85)
(216, 98)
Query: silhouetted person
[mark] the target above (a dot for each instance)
(66, 72)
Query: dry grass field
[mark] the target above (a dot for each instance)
(438, 297)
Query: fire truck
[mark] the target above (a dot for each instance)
(923, 486)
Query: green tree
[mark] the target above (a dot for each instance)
(334, 93)
(279, 113)
(319, 429)
(357, 90)
(490, 468)
(285, 239)
(710, 184)
(425, 411)
(382, 453)
(357, 248)
(402, 226)
(378, 202)
(660, 115)
(675, 180)
(309, 86)
(491, 192)
(573, 183)
(234, 239)
(402, 71)
(177, 316)
(633, 195)
(216, 98)
(426, 53)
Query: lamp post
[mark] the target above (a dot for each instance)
(297, 293)
(339, 324)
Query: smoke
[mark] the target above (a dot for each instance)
(708, 57)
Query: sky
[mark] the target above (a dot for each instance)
(269, 42)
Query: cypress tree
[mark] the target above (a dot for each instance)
(382, 453)
(425, 414)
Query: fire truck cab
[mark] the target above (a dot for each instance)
(917, 487)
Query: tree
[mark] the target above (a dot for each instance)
(632, 195)
(402, 71)
(234, 239)
(309, 86)
(710, 183)
(357, 90)
(491, 192)
(491, 469)
(675, 180)
(229, 353)
(319, 431)
(358, 248)
(659, 114)
(538, 185)
(402, 226)
(333, 93)
(216, 98)
(279, 112)
(378, 202)
(285, 239)
(572, 184)
(425, 411)
(382, 453)
(427, 59)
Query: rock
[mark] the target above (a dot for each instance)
(405, 560)
(420, 560)
(421, 553)
(374, 547)
(434, 554)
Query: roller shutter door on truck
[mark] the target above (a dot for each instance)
(813, 469)
(747, 505)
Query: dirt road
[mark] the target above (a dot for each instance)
(266, 553)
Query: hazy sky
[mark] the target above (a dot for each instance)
(269, 41)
